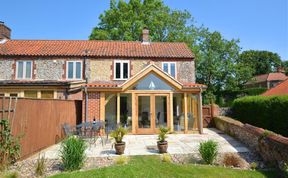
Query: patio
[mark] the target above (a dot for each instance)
(146, 145)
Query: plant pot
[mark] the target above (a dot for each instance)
(120, 147)
(162, 146)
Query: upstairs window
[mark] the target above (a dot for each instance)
(74, 70)
(24, 69)
(121, 70)
(170, 68)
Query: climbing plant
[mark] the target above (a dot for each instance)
(9, 145)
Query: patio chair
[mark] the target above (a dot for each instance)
(96, 131)
(68, 130)
(109, 127)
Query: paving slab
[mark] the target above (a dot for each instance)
(147, 145)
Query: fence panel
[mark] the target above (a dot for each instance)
(40, 122)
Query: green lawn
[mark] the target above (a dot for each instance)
(151, 166)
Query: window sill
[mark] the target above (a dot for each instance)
(120, 79)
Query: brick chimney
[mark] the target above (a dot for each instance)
(145, 36)
(5, 32)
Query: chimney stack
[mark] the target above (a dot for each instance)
(145, 36)
(5, 32)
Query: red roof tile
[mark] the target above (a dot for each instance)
(193, 85)
(104, 84)
(267, 77)
(95, 48)
(280, 89)
(115, 84)
(38, 82)
(276, 76)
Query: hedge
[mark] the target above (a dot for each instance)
(268, 112)
(226, 98)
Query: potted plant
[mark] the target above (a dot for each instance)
(118, 135)
(162, 143)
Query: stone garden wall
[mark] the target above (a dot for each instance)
(273, 148)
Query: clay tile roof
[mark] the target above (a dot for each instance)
(115, 84)
(280, 89)
(193, 85)
(104, 84)
(267, 77)
(276, 76)
(94, 48)
(37, 82)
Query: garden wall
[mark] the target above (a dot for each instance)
(39, 122)
(272, 148)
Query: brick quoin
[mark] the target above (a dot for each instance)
(93, 106)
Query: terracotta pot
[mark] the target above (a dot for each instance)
(120, 147)
(162, 146)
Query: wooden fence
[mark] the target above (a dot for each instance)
(39, 121)
(208, 112)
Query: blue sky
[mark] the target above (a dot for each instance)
(259, 24)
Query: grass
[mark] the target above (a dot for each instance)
(152, 166)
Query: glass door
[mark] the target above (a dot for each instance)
(161, 113)
(144, 114)
(152, 112)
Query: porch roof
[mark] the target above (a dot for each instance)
(123, 85)
(42, 84)
(117, 84)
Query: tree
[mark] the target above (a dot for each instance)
(262, 62)
(217, 64)
(125, 21)
(285, 65)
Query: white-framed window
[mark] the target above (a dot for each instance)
(74, 70)
(121, 69)
(24, 69)
(170, 68)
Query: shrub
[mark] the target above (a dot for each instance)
(73, 153)
(162, 134)
(208, 151)
(225, 98)
(166, 158)
(269, 112)
(118, 134)
(230, 159)
(253, 165)
(121, 160)
(8, 174)
(40, 166)
(9, 145)
(285, 169)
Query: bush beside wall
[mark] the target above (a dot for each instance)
(262, 111)
(272, 148)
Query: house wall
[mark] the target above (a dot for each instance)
(96, 69)
(103, 69)
(6, 69)
(93, 106)
(49, 69)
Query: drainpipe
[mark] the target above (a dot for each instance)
(85, 88)
(86, 101)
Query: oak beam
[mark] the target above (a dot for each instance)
(200, 124)
(118, 108)
(134, 120)
(185, 114)
(171, 112)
